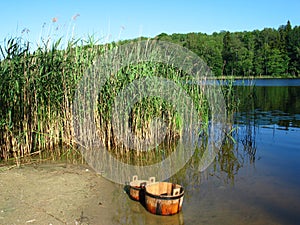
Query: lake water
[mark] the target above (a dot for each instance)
(255, 180)
(266, 82)
(264, 187)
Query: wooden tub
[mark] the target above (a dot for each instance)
(163, 198)
(137, 188)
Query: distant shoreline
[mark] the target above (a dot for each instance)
(253, 77)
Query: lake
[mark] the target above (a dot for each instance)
(265, 82)
(255, 180)
(264, 184)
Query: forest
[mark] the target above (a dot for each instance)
(260, 53)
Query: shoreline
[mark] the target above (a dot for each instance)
(252, 77)
(58, 193)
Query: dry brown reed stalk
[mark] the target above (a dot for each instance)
(37, 90)
(36, 97)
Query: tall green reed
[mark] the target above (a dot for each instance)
(37, 90)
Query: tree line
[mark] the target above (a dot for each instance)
(268, 52)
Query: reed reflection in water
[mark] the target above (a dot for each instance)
(254, 178)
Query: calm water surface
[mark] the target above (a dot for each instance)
(267, 82)
(256, 180)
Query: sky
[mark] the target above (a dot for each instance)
(112, 20)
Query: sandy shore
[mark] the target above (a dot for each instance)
(55, 194)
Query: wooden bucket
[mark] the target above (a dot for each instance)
(137, 188)
(163, 198)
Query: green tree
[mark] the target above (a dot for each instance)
(260, 52)
(293, 51)
(228, 55)
(277, 62)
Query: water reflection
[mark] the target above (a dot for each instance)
(266, 118)
(269, 106)
(132, 212)
(260, 107)
(264, 82)
(254, 178)
(257, 171)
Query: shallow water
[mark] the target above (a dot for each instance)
(259, 183)
(266, 191)
(255, 180)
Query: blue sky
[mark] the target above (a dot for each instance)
(113, 20)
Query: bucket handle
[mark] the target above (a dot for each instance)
(135, 178)
(176, 191)
(152, 180)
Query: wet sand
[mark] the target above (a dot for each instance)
(55, 194)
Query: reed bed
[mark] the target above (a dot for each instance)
(37, 90)
(36, 98)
